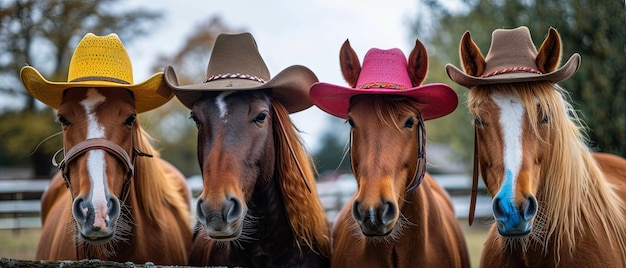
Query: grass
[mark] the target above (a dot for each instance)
(22, 244)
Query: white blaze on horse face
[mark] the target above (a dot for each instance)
(221, 104)
(511, 119)
(96, 166)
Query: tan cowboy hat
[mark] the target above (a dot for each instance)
(236, 65)
(98, 61)
(511, 58)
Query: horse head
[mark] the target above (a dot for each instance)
(386, 148)
(236, 154)
(98, 165)
(515, 128)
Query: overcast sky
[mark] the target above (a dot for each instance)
(287, 32)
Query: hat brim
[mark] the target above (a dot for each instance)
(290, 87)
(436, 99)
(149, 94)
(468, 81)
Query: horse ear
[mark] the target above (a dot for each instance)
(418, 63)
(549, 55)
(472, 59)
(350, 64)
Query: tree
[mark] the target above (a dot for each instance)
(43, 34)
(593, 29)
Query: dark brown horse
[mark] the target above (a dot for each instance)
(111, 201)
(400, 216)
(259, 206)
(555, 202)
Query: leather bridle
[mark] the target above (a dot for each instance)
(100, 144)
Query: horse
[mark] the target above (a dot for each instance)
(114, 198)
(400, 216)
(555, 202)
(258, 206)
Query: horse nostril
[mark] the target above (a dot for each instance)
(530, 208)
(356, 212)
(388, 213)
(199, 210)
(113, 206)
(498, 209)
(232, 209)
(78, 210)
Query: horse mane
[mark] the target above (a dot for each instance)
(575, 193)
(155, 190)
(305, 212)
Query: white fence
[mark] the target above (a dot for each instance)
(20, 199)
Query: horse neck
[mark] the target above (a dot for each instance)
(272, 227)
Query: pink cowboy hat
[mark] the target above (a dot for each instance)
(384, 72)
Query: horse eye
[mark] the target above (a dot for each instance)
(479, 121)
(544, 119)
(64, 121)
(351, 122)
(130, 120)
(409, 122)
(260, 118)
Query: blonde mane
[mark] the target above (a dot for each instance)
(574, 193)
(155, 190)
(304, 210)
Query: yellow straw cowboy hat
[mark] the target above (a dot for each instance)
(237, 65)
(98, 61)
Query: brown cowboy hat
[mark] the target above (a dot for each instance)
(236, 65)
(98, 61)
(512, 58)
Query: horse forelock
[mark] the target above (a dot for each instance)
(305, 212)
(574, 192)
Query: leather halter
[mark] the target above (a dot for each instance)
(101, 144)
(420, 166)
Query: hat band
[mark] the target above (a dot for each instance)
(382, 85)
(234, 75)
(511, 70)
(100, 78)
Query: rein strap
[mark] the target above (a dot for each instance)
(475, 172)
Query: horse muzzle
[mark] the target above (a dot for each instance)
(96, 222)
(375, 220)
(513, 219)
(224, 222)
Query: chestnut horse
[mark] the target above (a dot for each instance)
(122, 202)
(554, 201)
(393, 220)
(259, 206)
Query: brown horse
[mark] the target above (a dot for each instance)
(120, 204)
(393, 220)
(259, 206)
(555, 203)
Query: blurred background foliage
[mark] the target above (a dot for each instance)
(44, 33)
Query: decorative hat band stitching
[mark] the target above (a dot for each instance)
(234, 75)
(511, 70)
(100, 78)
(382, 85)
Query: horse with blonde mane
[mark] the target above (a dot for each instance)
(555, 202)
(400, 216)
(114, 198)
(259, 205)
